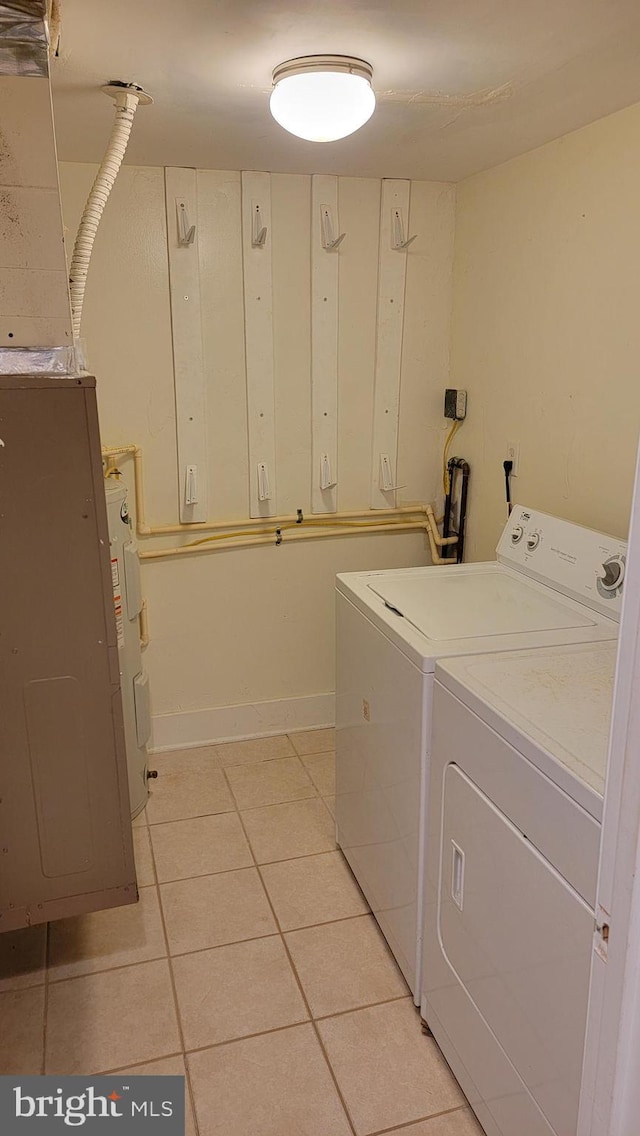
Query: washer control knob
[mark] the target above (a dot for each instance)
(517, 534)
(533, 541)
(613, 575)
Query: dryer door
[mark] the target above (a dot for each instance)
(518, 939)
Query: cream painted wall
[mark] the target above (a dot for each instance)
(546, 328)
(256, 626)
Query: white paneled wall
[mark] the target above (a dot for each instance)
(255, 626)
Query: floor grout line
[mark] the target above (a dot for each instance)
(315, 795)
(45, 1011)
(107, 970)
(364, 1006)
(135, 1065)
(197, 816)
(222, 766)
(420, 1120)
(220, 946)
(304, 996)
(176, 1003)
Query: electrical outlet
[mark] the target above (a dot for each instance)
(513, 455)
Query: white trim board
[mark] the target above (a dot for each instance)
(324, 343)
(191, 728)
(392, 274)
(188, 362)
(258, 314)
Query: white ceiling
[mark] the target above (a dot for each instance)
(462, 84)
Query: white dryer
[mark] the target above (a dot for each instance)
(518, 762)
(553, 583)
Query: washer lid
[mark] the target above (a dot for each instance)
(447, 606)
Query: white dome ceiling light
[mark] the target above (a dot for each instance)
(322, 97)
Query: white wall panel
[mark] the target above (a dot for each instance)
(391, 289)
(220, 248)
(291, 262)
(184, 283)
(425, 350)
(325, 273)
(360, 218)
(258, 314)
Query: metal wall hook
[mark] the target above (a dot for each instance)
(258, 230)
(186, 232)
(326, 222)
(398, 240)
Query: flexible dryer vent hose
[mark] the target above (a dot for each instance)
(126, 100)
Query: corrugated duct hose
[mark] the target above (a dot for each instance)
(126, 97)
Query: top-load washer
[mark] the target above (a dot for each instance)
(518, 762)
(553, 583)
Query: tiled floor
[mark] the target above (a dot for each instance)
(250, 963)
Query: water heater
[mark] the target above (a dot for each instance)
(127, 602)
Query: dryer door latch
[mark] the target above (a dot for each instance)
(601, 937)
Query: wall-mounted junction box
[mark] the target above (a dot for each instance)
(455, 404)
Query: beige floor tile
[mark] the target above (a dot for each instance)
(314, 741)
(256, 749)
(313, 889)
(274, 1085)
(345, 965)
(237, 990)
(462, 1122)
(166, 1067)
(206, 756)
(330, 802)
(188, 785)
(199, 847)
(102, 940)
(270, 782)
(23, 957)
(388, 1072)
(297, 828)
(214, 910)
(145, 873)
(321, 768)
(141, 819)
(111, 1020)
(21, 1030)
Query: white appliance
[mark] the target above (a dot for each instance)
(518, 762)
(127, 602)
(553, 583)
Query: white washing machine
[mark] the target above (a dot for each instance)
(518, 761)
(553, 583)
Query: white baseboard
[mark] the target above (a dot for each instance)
(191, 728)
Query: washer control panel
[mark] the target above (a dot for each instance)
(588, 566)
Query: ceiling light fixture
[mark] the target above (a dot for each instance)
(322, 97)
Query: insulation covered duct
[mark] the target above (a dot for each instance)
(35, 314)
(24, 43)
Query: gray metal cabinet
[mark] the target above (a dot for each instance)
(65, 831)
